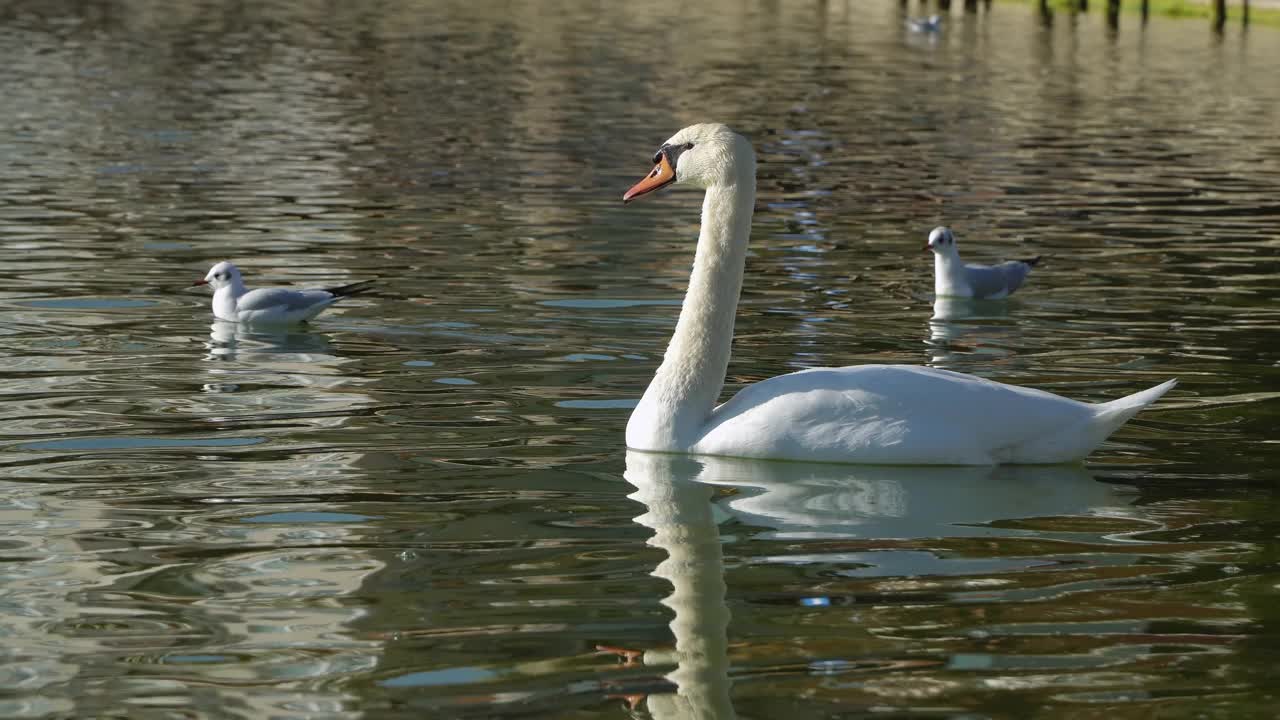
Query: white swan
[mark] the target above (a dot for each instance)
(953, 278)
(885, 414)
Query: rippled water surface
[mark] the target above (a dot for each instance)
(420, 504)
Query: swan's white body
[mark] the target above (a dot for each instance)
(234, 302)
(952, 277)
(884, 414)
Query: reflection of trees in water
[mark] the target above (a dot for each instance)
(194, 585)
(214, 123)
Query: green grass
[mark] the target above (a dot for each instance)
(1179, 8)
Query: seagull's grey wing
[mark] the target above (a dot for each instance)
(1015, 272)
(987, 281)
(283, 298)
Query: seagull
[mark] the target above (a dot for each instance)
(931, 24)
(234, 302)
(953, 278)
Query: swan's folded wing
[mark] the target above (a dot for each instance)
(892, 414)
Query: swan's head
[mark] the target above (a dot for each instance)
(942, 241)
(221, 275)
(702, 156)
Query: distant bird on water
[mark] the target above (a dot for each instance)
(234, 302)
(931, 24)
(952, 277)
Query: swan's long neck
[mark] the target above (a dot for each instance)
(687, 385)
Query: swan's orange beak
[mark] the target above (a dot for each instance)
(662, 174)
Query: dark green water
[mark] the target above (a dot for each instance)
(421, 506)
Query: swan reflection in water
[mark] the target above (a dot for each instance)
(802, 500)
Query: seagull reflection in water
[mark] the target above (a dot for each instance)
(963, 326)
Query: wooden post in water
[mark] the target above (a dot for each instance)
(1113, 14)
(944, 5)
(1146, 10)
(1219, 14)
(1083, 6)
(1244, 19)
(971, 5)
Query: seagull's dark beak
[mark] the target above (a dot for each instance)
(661, 175)
(928, 247)
(199, 282)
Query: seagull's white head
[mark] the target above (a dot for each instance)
(942, 241)
(702, 156)
(222, 275)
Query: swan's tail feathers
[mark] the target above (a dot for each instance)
(1129, 405)
(349, 290)
(1109, 416)
(1074, 443)
(1031, 262)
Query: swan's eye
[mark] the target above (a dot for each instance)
(688, 146)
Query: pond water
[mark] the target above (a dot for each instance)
(420, 505)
